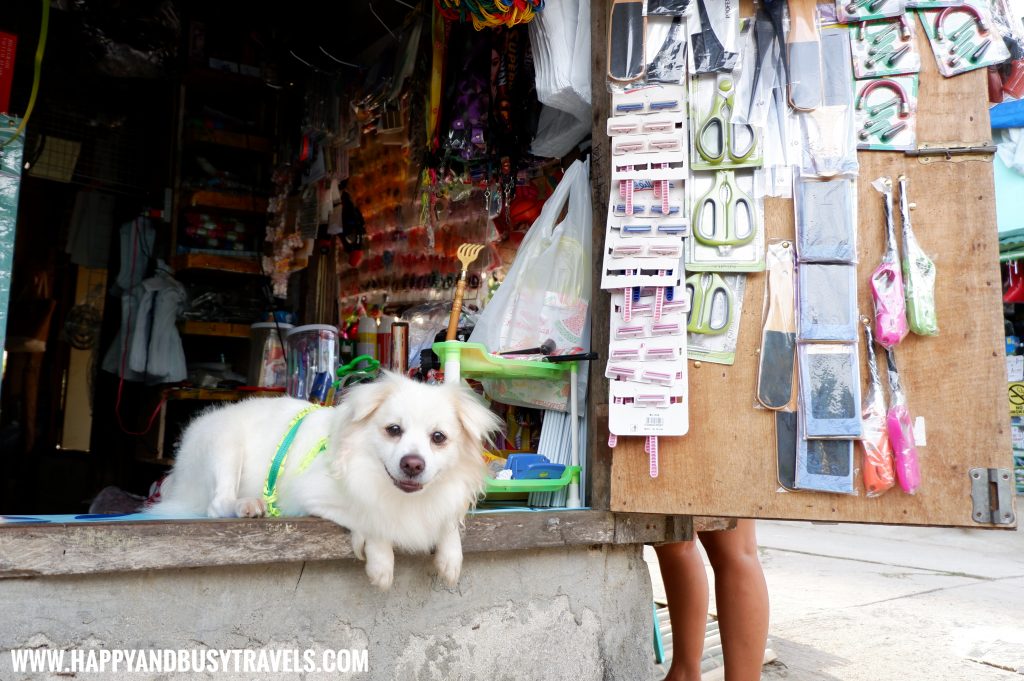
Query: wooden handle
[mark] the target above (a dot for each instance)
(804, 56)
(453, 320)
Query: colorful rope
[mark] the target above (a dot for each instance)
(490, 13)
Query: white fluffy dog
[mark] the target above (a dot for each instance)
(400, 467)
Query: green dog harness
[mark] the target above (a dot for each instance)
(277, 465)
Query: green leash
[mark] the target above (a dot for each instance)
(274, 474)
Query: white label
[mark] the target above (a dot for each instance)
(1015, 368)
(920, 436)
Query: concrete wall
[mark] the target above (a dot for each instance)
(575, 613)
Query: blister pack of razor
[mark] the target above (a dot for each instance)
(727, 223)
(963, 37)
(885, 48)
(637, 409)
(655, 208)
(658, 302)
(886, 113)
(628, 271)
(648, 100)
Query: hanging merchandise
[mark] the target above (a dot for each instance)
(887, 280)
(901, 431)
(829, 390)
(716, 303)
(887, 113)
(666, 49)
(718, 142)
(830, 143)
(804, 56)
(727, 225)
(545, 295)
(962, 37)
(626, 56)
(755, 86)
(885, 48)
(715, 36)
(918, 275)
(674, 8)
(827, 302)
(852, 11)
(879, 472)
(778, 333)
(1008, 20)
(490, 13)
(824, 465)
(826, 220)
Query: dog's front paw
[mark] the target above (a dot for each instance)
(381, 576)
(380, 563)
(250, 508)
(359, 545)
(449, 566)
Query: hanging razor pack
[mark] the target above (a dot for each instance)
(886, 113)
(885, 48)
(962, 37)
(727, 225)
(853, 11)
(649, 140)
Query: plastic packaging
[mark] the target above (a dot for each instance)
(727, 227)
(829, 390)
(879, 471)
(824, 465)
(827, 308)
(718, 142)
(918, 274)
(666, 50)
(714, 36)
(673, 8)
(267, 367)
(719, 348)
(759, 66)
(826, 220)
(312, 361)
(850, 11)
(830, 147)
(626, 40)
(887, 280)
(886, 113)
(962, 37)
(901, 431)
(885, 48)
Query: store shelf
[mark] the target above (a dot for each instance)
(245, 203)
(219, 329)
(475, 362)
(220, 263)
(217, 394)
(234, 140)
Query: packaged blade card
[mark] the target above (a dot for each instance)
(714, 35)
(824, 465)
(827, 302)
(830, 390)
(826, 220)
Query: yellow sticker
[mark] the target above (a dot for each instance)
(1016, 397)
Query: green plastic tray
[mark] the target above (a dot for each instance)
(476, 362)
(536, 485)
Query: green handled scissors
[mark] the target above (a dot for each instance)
(705, 289)
(724, 216)
(716, 141)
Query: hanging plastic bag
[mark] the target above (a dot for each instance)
(561, 54)
(546, 295)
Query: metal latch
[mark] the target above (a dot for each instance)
(928, 153)
(992, 496)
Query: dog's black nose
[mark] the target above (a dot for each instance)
(412, 464)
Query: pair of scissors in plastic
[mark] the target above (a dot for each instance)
(724, 216)
(717, 139)
(705, 290)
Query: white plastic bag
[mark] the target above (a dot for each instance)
(546, 295)
(560, 38)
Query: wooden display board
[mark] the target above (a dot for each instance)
(726, 465)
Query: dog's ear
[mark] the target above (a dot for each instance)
(365, 398)
(477, 420)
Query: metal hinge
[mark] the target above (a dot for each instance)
(926, 153)
(992, 496)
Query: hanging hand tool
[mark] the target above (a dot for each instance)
(901, 431)
(804, 56)
(887, 280)
(879, 473)
(918, 275)
(467, 253)
(778, 338)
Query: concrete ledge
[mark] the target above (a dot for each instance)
(91, 548)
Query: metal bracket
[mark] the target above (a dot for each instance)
(992, 496)
(926, 153)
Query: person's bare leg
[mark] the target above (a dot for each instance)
(686, 585)
(741, 596)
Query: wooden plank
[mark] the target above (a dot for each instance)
(599, 455)
(89, 548)
(725, 466)
(219, 329)
(217, 394)
(220, 263)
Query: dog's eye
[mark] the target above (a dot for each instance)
(438, 437)
(394, 430)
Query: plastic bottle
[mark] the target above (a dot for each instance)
(366, 337)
